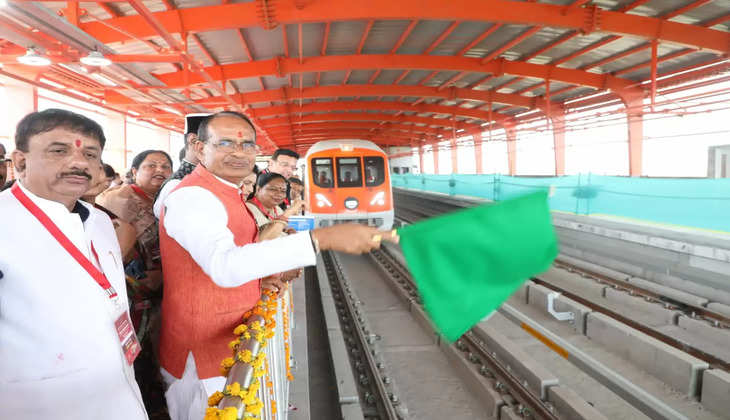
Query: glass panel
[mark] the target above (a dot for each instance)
(322, 172)
(374, 171)
(348, 172)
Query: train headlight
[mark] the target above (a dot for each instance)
(351, 203)
(322, 201)
(378, 199)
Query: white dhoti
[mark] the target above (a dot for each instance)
(187, 397)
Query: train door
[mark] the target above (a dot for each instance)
(349, 179)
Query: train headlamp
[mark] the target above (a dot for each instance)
(378, 199)
(351, 203)
(322, 201)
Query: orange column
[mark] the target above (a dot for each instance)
(511, 133)
(454, 157)
(558, 120)
(634, 101)
(478, 152)
(420, 159)
(435, 149)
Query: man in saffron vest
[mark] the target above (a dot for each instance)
(212, 262)
(66, 341)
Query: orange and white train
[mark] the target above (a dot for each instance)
(348, 181)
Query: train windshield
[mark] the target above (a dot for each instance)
(322, 172)
(348, 172)
(374, 171)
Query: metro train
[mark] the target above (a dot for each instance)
(348, 181)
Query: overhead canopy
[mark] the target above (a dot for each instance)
(403, 72)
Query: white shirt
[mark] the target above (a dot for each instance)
(162, 197)
(198, 221)
(164, 192)
(60, 355)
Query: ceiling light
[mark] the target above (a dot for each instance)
(95, 58)
(32, 58)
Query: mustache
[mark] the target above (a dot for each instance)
(75, 173)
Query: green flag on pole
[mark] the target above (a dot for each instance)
(467, 263)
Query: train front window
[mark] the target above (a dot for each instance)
(322, 172)
(374, 171)
(348, 172)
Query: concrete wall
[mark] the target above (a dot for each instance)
(658, 254)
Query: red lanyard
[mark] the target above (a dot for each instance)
(66, 243)
(140, 192)
(266, 213)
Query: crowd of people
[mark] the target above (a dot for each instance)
(117, 299)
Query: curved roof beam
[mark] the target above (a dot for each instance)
(284, 66)
(230, 16)
(293, 94)
(319, 126)
(278, 110)
(365, 134)
(360, 116)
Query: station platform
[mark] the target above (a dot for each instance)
(631, 322)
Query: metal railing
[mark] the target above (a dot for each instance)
(270, 375)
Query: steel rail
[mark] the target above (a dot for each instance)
(624, 388)
(690, 309)
(384, 401)
(712, 360)
(401, 280)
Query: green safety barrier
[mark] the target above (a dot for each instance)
(695, 202)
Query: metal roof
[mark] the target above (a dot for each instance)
(421, 68)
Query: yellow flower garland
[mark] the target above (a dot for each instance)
(253, 406)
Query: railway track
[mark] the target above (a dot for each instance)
(412, 209)
(479, 359)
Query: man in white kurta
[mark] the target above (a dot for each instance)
(61, 355)
(203, 251)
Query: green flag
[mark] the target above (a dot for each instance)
(467, 263)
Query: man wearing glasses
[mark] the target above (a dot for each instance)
(212, 261)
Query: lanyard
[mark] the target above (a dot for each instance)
(268, 214)
(66, 243)
(140, 192)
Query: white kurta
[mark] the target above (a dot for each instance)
(198, 221)
(60, 355)
(162, 196)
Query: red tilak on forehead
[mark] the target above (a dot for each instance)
(77, 142)
(240, 134)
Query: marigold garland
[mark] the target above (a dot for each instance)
(287, 349)
(261, 333)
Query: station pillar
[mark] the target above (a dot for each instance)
(633, 100)
(478, 152)
(454, 157)
(558, 121)
(510, 131)
(435, 152)
(420, 159)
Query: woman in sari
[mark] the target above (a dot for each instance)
(132, 203)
